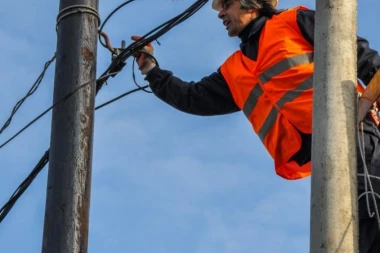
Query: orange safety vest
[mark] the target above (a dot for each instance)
(275, 92)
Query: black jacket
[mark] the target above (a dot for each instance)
(211, 95)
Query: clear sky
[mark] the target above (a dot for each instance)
(163, 181)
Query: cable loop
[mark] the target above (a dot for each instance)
(74, 9)
(368, 187)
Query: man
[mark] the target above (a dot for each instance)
(270, 80)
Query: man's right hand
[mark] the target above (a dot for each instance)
(143, 59)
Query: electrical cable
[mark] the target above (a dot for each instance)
(367, 180)
(134, 47)
(119, 97)
(157, 32)
(108, 17)
(28, 94)
(42, 163)
(366, 175)
(23, 186)
(74, 9)
(134, 78)
(115, 64)
(153, 34)
(64, 98)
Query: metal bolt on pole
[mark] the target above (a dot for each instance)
(334, 217)
(69, 179)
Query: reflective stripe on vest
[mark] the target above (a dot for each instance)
(265, 77)
(284, 65)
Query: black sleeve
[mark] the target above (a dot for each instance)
(209, 96)
(368, 59)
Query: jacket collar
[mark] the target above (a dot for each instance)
(252, 28)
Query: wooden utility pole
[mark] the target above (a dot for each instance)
(334, 215)
(69, 179)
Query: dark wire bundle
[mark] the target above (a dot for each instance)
(127, 52)
(28, 94)
(23, 186)
(42, 163)
(155, 33)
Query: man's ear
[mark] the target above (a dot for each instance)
(253, 11)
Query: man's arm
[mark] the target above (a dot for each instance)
(368, 59)
(209, 96)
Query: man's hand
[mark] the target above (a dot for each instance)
(370, 95)
(143, 59)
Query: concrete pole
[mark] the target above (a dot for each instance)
(334, 217)
(69, 179)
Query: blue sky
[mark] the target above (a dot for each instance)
(163, 181)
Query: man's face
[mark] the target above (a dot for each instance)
(234, 18)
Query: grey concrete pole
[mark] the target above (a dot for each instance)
(69, 179)
(334, 217)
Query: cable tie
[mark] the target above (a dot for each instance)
(74, 9)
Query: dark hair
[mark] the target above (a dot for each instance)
(265, 7)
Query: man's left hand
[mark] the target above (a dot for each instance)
(370, 95)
